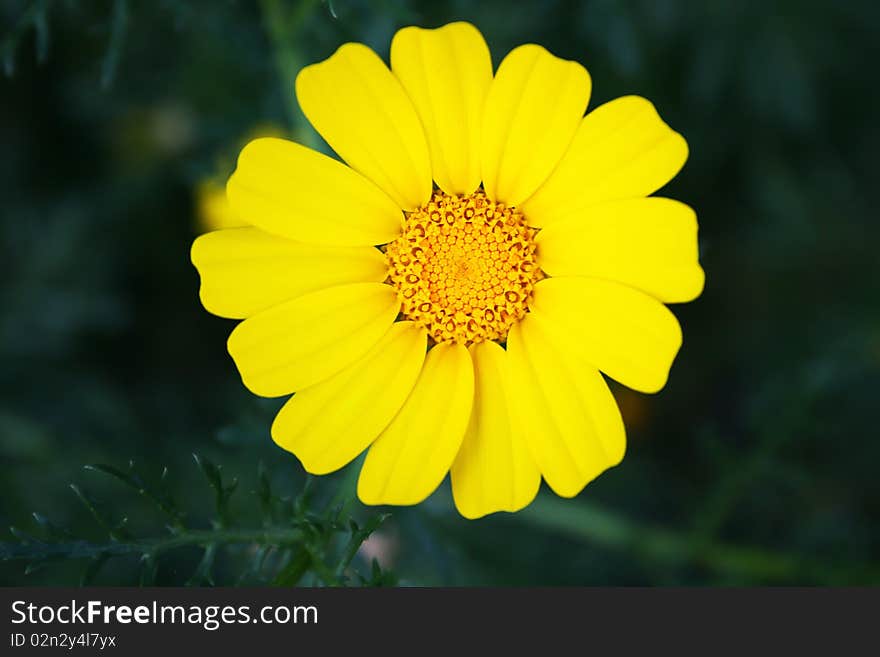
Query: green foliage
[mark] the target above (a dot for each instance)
(293, 544)
(34, 18)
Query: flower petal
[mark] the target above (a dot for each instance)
(304, 341)
(361, 110)
(622, 149)
(447, 72)
(568, 416)
(329, 424)
(493, 470)
(411, 457)
(245, 271)
(647, 243)
(532, 112)
(292, 191)
(626, 333)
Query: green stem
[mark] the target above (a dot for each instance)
(601, 527)
(346, 494)
(293, 572)
(738, 479)
(202, 538)
(283, 27)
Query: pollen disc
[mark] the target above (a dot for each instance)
(465, 267)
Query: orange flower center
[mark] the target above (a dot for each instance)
(465, 267)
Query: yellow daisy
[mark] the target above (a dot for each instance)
(449, 299)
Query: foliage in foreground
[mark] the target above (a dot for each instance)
(292, 544)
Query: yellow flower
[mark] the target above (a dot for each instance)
(518, 257)
(213, 211)
(212, 208)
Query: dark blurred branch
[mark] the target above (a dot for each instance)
(283, 23)
(599, 526)
(118, 28)
(34, 16)
(75, 549)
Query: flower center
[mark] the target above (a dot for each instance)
(465, 267)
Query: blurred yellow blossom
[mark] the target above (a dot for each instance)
(213, 211)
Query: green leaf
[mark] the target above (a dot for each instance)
(285, 549)
(264, 493)
(116, 531)
(133, 480)
(49, 528)
(203, 575)
(292, 573)
(221, 493)
(357, 537)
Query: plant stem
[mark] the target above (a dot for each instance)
(202, 538)
(292, 573)
(283, 26)
(602, 527)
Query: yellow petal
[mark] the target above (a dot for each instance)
(626, 333)
(622, 149)
(292, 191)
(329, 424)
(307, 340)
(361, 110)
(411, 457)
(447, 72)
(212, 208)
(245, 271)
(568, 416)
(532, 111)
(648, 243)
(493, 470)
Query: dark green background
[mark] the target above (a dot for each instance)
(756, 464)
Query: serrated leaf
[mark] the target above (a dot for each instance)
(135, 481)
(300, 504)
(51, 529)
(116, 531)
(356, 538)
(211, 471)
(221, 493)
(315, 536)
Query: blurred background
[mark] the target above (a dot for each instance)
(757, 464)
